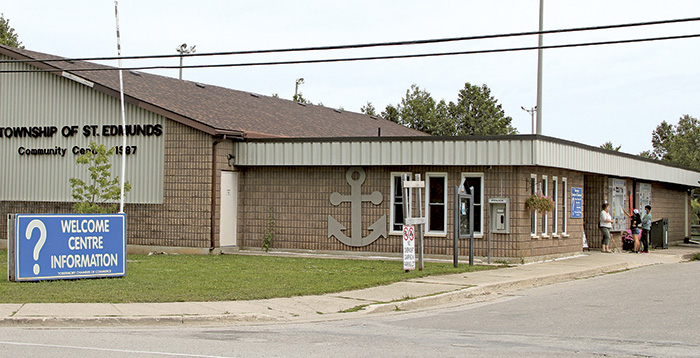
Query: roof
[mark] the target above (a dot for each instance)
(219, 110)
(511, 150)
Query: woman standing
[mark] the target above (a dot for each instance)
(605, 225)
(635, 223)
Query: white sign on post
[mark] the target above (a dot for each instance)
(409, 248)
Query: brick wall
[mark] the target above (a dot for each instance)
(298, 200)
(183, 220)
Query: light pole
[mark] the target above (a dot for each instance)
(539, 70)
(532, 112)
(300, 81)
(182, 49)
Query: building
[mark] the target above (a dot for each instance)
(215, 169)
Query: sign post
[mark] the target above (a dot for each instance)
(420, 220)
(409, 248)
(70, 246)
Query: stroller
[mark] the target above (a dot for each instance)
(627, 240)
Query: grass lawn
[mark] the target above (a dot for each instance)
(181, 278)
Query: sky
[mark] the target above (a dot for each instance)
(591, 95)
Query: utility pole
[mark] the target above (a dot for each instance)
(183, 50)
(539, 70)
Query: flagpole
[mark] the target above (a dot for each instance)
(121, 99)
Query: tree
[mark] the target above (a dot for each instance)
(300, 99)
(680, 144)
(95, 197)
(476, 112)
(369, 109)
(8, 36)
(610, 146)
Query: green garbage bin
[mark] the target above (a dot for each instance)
(659, 234)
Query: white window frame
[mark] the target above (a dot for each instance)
(533, 214)
(565, 207)
(545, 222)
(428, 177)
(391, 208)
(480, 233)
(555, 212)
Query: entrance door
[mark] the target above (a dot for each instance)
(229, 209)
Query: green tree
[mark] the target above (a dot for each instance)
(8, 36)
(96, 197)
(369, 109)
(477, 112)
(680, 144)
(300, 99)
(610, 146)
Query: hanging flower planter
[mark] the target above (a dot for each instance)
(539, 203)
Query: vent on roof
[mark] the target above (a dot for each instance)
(255, 95)
(373, 117)
(200, 85)
(135, 73)
(337, 110)
(301, 104)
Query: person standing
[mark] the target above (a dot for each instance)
(646, 228)
(605, 225)
(635, 225)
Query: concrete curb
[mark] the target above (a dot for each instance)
(473, 292)
(136, 320)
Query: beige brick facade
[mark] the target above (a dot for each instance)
(299, 201)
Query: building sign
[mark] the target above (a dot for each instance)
(576, 203)
(95, 131)
(55, 247)
(409, 247)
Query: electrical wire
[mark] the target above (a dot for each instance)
(371, 58)
(370, 45)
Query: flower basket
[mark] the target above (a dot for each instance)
(539, 203)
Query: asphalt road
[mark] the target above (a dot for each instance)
(647, 312)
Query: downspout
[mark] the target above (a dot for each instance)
(212, 229)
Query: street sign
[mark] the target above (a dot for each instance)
(70, 246)
(409, 248)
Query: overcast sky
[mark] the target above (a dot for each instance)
(591, 95)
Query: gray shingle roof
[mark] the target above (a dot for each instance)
(217, 109)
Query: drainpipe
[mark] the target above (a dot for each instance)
(212, 239)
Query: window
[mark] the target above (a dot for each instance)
(476, 180)
(564, 206)
(533, 215)
(436, 202)
(397, 202)
(544, 215)
(555, 211)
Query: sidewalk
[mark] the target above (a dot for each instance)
(407, 295)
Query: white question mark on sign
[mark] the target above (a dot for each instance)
(36, 224)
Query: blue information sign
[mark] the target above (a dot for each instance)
(54, 247)
(576, 203)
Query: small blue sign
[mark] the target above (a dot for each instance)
(576, 203)
(55, 247)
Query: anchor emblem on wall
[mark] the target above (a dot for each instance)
(356, 198)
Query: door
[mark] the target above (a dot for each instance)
(228, 218)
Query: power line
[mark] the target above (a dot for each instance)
(370, 45)
(371, 58)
